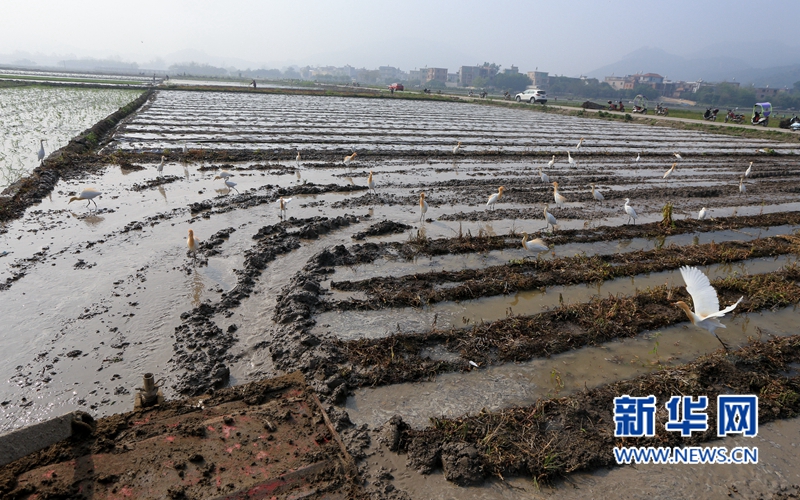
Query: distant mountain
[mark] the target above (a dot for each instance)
(780, 64)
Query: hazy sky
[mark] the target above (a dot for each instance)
(568, 37)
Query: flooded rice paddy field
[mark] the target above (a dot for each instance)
(28, 114)
(381, 322)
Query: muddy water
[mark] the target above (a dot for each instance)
(775, 474)
(375, 324)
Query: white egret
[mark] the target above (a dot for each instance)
(160, 166)
(702, 214)
(706, 302)
(749, 169)
(560, 200)
(40, 155)
(569, 158)
(534, 245)
(282, 204)
(495, 197)
(549, 218)
(579, 144)
(370, 181)
(457, 148)
(742, 187)
(670, 171)
(192, 244)
(551, 162)
(630, 211)
(597, 194)
(350, 158)
(423, 206)
(228, 182)
(224, 174)
(297, 158)
(638, 157)
(543, 176)
(87, 194)
(677, 155)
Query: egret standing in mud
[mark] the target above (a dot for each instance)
(749, 169)
(160, 167)
(297, 159)
(638, 157)
(670, 171)
(192, 244)
(545, 178)
(350, 158)
(579, 144)
(87, 194)
(706, 302)
(551, 162)
(423, 206)
(534, 245)
(40, 155)
(597, 195)
(370, 181)
(495, 197)
(560, 200)
(630, 211)
(549, 218)
(677, 155)
(282, 203)
(742, 187)
(569, 158)
(457, 148)
(702, 214)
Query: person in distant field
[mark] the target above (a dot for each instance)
(253, 83)
(391, 89)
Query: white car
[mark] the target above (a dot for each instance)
(532, 96)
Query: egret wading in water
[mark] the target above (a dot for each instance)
(228, 182)
(457, 148)
(706, 313)
(702, 214)
(423, 206)
(534, 245)
(297, 158)
(40, 154)
(282, 203)
(495, 197)
(545, 178)
(560, 200)
(749, 169)
(630, 211)
(192, 244)
(350, 158)
(87, 194)
(549, 219)
(160, 166)
(670, 171)
(742, 187)
(371, 181)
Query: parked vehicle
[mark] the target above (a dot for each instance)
(616, 106)
(711, 114)
(761, 112)
(734, 117)
(532, 96)
(661, 110)
(396, 86)
(639, 105)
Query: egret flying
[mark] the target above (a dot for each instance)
(549, 219)
(749, 169)
(630, 211)
(534, 245)
(87, 194)
(457, 148)
(560, 200)
(706, 303)
(423, 206)
(495, 197)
